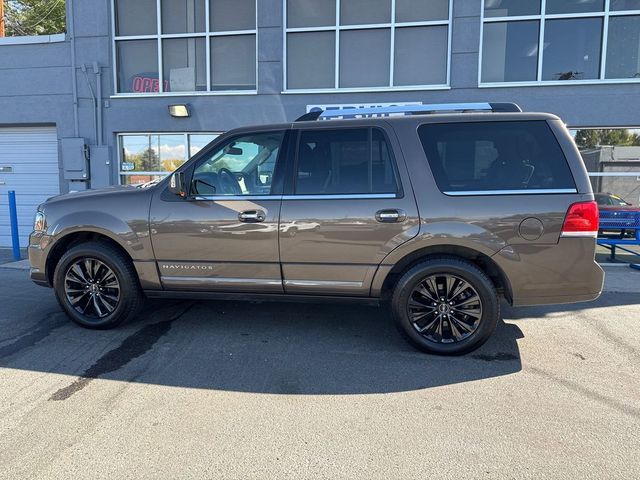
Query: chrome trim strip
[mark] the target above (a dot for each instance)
(320, 283)
(223, 281)
(365, 196)
(579, 234)
(356, 196)
(511, 192)
(236, 197)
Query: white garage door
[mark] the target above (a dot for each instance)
(28, 165)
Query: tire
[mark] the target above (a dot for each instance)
(455, 326)
(73, 281)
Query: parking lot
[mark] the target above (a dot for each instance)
(277, 390)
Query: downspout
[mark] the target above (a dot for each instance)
(98, 71)
(93, 101)
(74, 79)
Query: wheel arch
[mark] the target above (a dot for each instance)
(72, 239)
(386, 282)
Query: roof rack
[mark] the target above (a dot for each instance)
(411, 110)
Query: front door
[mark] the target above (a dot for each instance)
(224, 234)
(345, 211)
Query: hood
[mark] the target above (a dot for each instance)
(97, 193)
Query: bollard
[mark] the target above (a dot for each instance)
(13, 216)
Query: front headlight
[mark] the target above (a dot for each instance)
(39, 222)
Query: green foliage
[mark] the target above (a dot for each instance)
(147, 161)
(621, 137)
(34, 17)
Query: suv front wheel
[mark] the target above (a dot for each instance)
(446, 306)
(97, 286)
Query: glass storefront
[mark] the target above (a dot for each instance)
(146, 157)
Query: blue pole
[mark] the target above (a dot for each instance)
(13, 214)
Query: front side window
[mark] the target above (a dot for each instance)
(172, 46)
(328, 44)
(560, 40)
(344, 162)
(495, 156)
(242, 166)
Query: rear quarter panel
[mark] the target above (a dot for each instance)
(545, 270)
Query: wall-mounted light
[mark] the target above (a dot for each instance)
(179, 111)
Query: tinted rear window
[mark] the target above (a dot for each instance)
(470, 157)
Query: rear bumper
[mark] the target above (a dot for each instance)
(552, 274)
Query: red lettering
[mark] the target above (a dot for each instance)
(146, 84)
(137, 84)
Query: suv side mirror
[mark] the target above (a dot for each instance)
(176, 184)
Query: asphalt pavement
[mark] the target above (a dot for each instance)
(242, 390)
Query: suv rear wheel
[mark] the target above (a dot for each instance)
(97, 286)
(446, 306)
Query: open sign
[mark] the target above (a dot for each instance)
(147, 83)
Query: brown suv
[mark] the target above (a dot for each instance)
(436, 210)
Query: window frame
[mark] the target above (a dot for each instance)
(542, 17)
(292, 173)
(337, 28)
(128, 173)
(159, 37)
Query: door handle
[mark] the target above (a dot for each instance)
(252, 216)
(391, 216)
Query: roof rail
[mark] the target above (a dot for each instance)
(411, 110)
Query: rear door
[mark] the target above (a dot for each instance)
(348, 204)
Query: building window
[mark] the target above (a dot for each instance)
(145, 157)
(177, 46)
(366, 44)
(542, 41)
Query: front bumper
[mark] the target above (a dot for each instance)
(38, 243)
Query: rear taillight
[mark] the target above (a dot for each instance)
(581, 220)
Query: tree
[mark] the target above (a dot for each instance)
(146, 161)
(591, 138)
(34, 17)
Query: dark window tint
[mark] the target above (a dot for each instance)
(495, 156)
(347, 161)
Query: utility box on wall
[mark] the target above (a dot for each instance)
(100, 163)
(75, 158)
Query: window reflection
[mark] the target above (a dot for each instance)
(148, 157)
(510, 51)
(572, 49)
